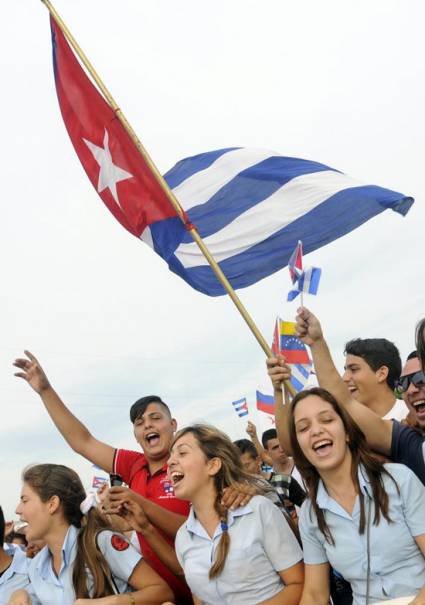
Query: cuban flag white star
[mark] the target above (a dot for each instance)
(109, 174)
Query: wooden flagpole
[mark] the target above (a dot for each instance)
(171, 197)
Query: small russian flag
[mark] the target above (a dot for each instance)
(265, 403)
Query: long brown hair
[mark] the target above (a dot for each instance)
(216, 444)
(360, 455)
(49, 480)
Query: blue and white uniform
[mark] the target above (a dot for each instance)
(397, 565)
(50, 589)
(261, 545)
(15, 576)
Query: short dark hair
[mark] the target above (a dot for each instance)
(377, 352)
(2, 527)
(267, 435)
(245, 446)
(139, 407)
(412, 355)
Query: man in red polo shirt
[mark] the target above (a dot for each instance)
(145, 473)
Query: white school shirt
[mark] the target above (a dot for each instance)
(397, 565)
(261, 545)
(398, 412)
(50, 589)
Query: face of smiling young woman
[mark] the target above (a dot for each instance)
(189, 469)
(35, 512)
(320, 433)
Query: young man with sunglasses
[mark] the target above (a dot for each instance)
(401, 443)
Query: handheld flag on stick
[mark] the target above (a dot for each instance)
(124, 175)
(246, 203)
(308, 282)
(286, 343)
(304, 280)
(241, 407)
(295, 264)
(265, 403)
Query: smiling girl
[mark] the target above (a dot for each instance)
(83, 558)
(364, 518)
(245, 556)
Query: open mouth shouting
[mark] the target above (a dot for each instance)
(176, 477)
(323, 447)
(152, 438)
(419, 409)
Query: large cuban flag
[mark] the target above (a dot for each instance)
(251, 206)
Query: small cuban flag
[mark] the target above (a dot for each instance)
(303, 280)
(241, 407)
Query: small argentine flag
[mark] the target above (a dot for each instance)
(241, 407)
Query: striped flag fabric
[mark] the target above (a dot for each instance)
(286, 343)
(241, 407)
(265, 403)
(252, 207)
(307, 282)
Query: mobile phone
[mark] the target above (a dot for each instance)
(115, 480)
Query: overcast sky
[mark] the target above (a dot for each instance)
(339, 82)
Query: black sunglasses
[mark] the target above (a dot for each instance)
(403, 383)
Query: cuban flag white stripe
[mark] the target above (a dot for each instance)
(290, 202)
(202, 185)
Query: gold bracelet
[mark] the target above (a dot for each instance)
(132, 599)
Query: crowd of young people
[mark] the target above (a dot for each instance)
(338, 518)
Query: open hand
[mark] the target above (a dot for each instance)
(32, 372)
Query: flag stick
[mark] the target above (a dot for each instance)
(171, 197)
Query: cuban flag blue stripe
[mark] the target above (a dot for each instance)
(303, 370)
(298, 386)
(253, 232)
(327, 222)
(246, 190)
(189, 166)
(239, 402)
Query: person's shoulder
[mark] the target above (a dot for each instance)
(399, 472)
(307, 514)
(130, 454)
(260, 503)
(398, 412)
(108, 540)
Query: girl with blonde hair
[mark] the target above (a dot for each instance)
(244, 556)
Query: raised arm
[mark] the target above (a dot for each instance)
(72, 430)
(278, 371)
(378, 432)
(251, 429)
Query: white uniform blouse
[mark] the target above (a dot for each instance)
(261, 545)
